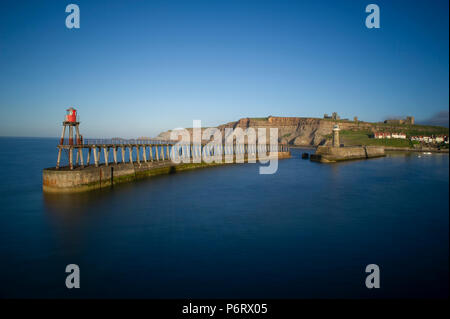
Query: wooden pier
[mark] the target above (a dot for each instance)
(99, 163)
(144, 159)
(155, 151)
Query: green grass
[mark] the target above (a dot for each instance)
(412, 130)
(350, 138)
(409, 130)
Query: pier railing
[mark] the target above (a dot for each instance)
(120, 141)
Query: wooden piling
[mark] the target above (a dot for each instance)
(71, 158)
(130, 151)
(138, 150)
(96, 156)
(115, 154)
(144, 153)
(58, 160)
(80, 151)
(106, 153)
(88, 160)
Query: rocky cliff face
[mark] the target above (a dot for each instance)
(291, 130)
(298, 131)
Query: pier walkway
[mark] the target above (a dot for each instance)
(99, 151)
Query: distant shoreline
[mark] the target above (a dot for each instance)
(386, 148)
(405, 149)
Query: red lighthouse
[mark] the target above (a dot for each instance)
(71, 121)
(71, 115)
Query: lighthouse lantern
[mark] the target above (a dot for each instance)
(71, 115)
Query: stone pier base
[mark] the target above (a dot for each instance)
(329, 154)
(65, 180)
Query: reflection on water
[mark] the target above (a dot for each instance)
(306, 231)
(70, 211)
(72, 204)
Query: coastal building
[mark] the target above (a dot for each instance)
(334, 116)
(380, 135)
(409, 120)
(398, 135)
(430, 139)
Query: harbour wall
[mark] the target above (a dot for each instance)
(329, 154)
(65, 180)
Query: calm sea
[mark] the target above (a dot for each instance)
(307, 231)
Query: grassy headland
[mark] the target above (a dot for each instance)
(352, 138)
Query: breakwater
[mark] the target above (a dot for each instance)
(330, 154)
(151, 160)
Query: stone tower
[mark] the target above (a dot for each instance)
(410, 120)
(336, 142)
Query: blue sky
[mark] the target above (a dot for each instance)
(135, 68)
